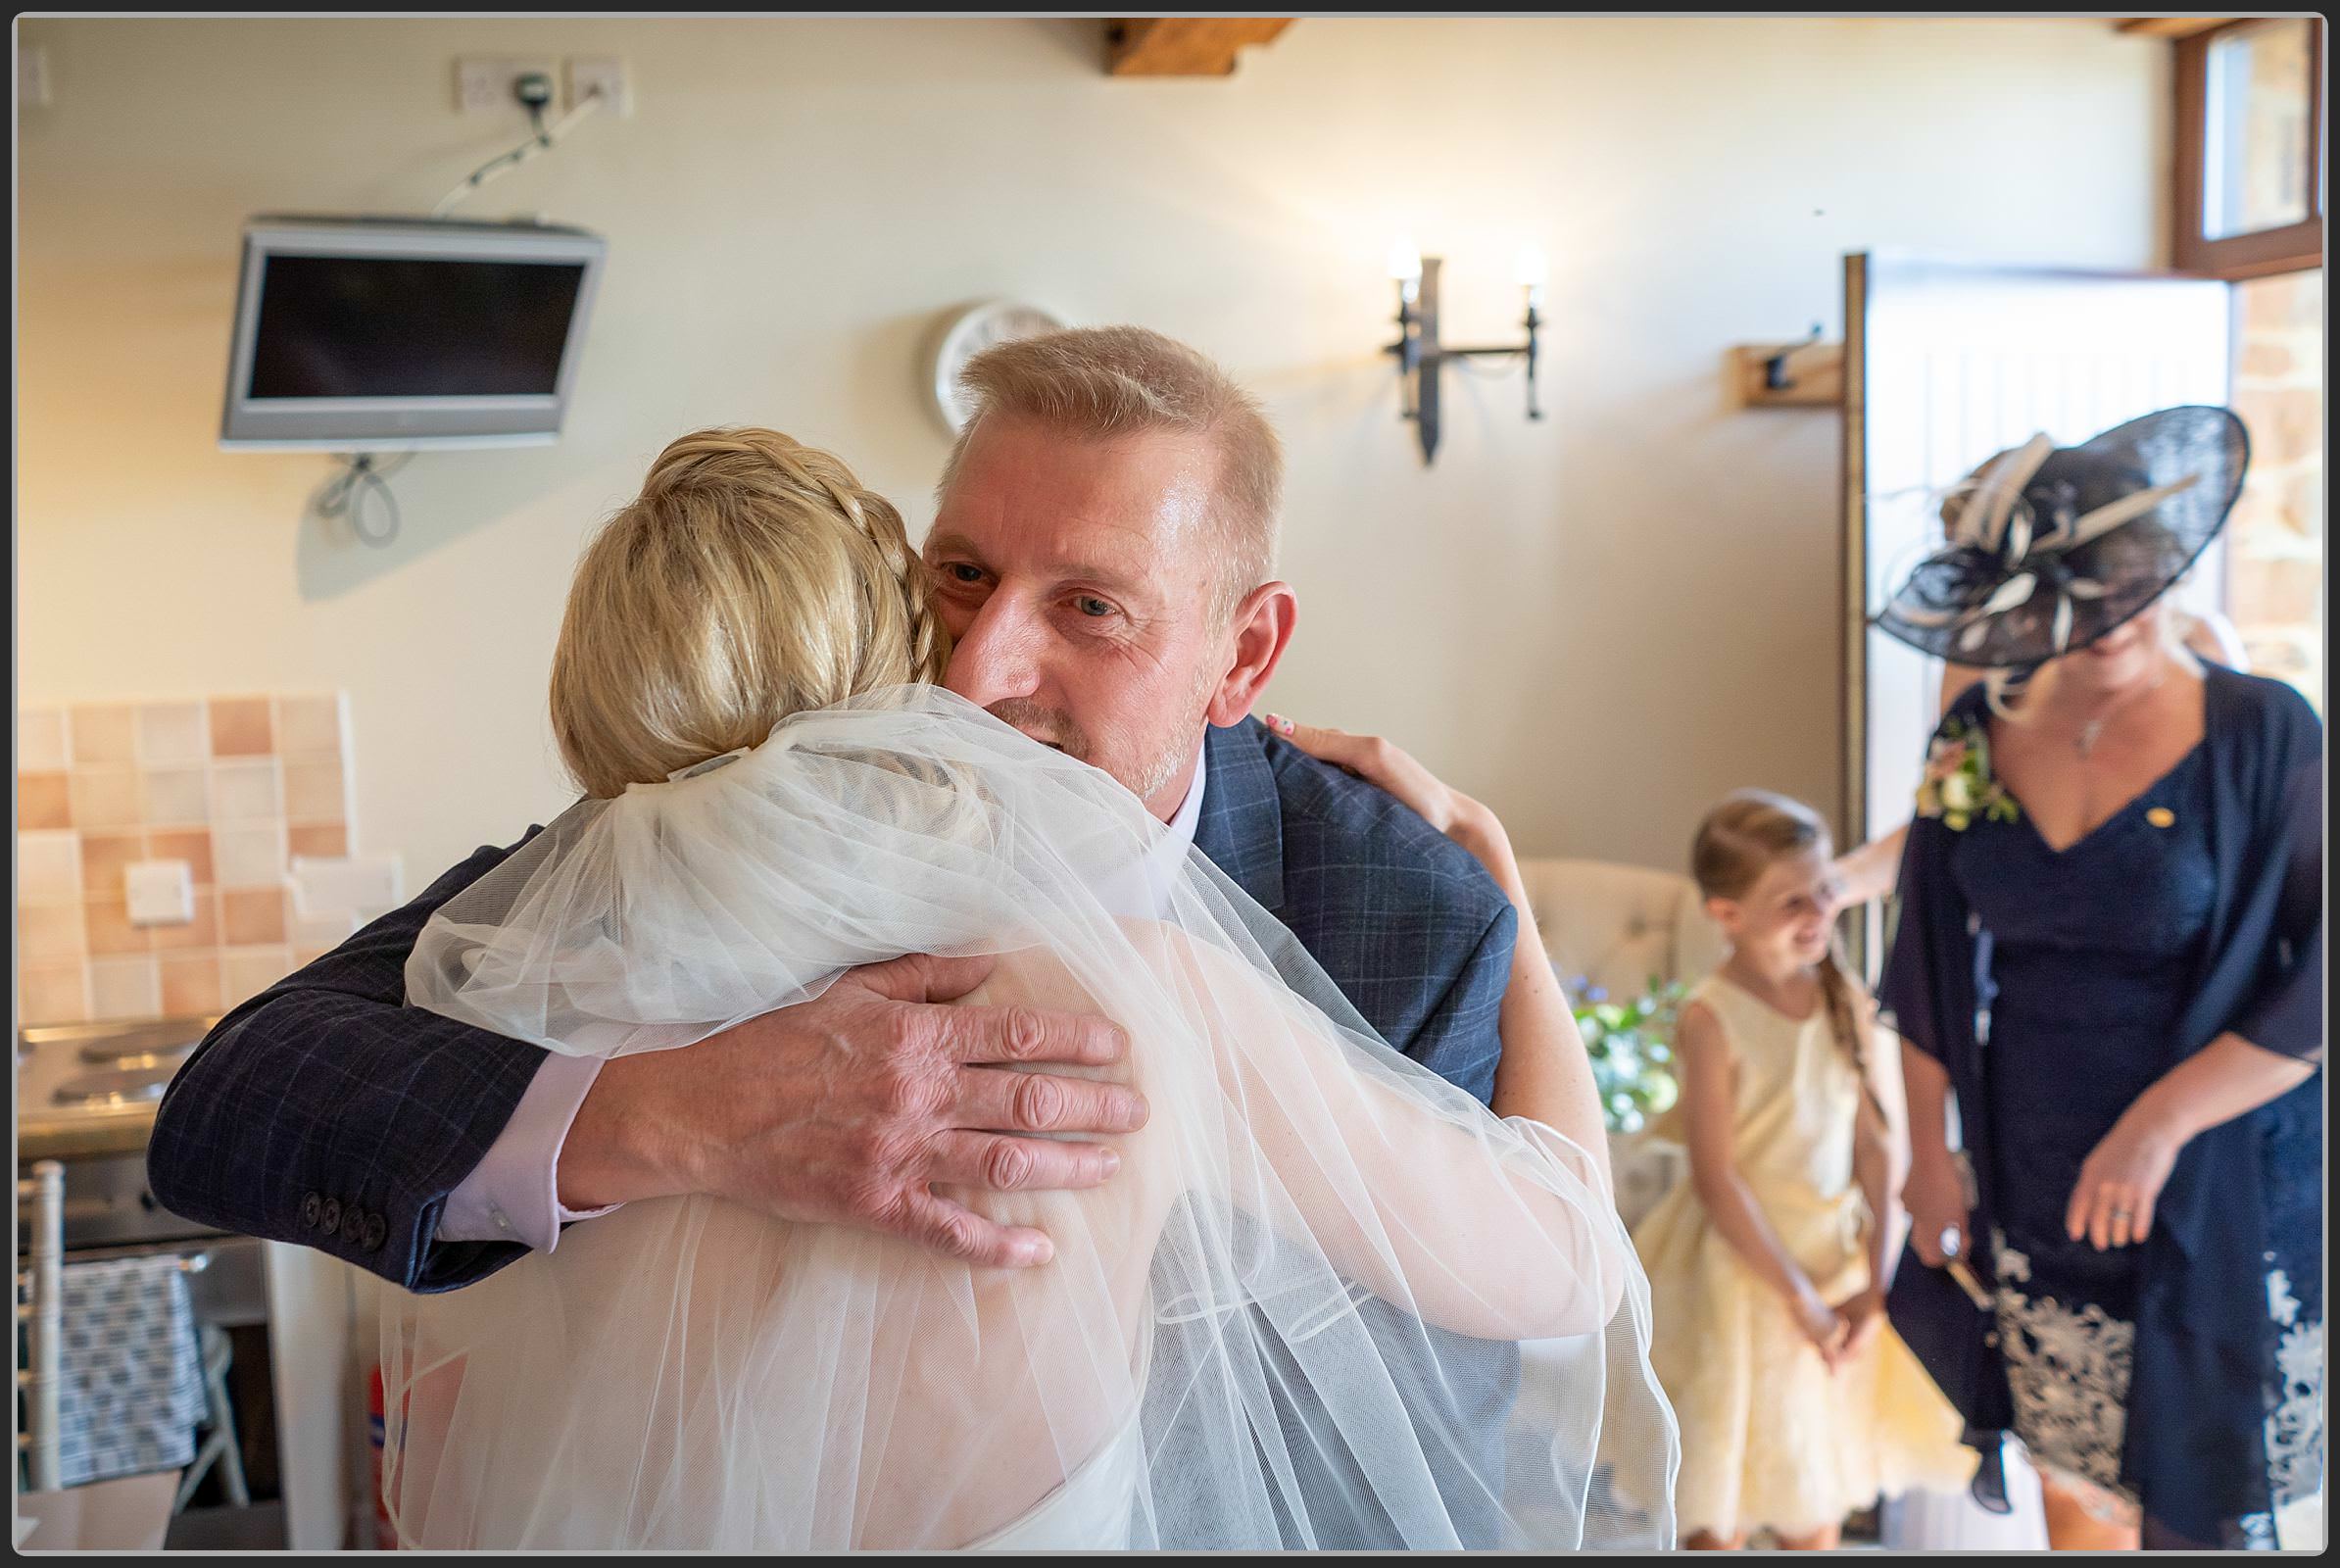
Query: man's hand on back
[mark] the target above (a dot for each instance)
(843, 1110)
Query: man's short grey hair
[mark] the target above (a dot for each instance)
(1106, 381)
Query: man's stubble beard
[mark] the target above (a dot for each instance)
(1054, 727)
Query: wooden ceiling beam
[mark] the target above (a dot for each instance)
(2171, 27)
(1183, 46)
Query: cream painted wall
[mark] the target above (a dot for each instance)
(1597, 624)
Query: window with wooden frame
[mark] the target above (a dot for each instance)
(2249, 166)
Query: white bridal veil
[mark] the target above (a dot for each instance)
(1328, 1298)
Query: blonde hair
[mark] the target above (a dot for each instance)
(1107, 382)
(1745, 836)
(752, 578)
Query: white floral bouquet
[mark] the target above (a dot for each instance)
(1957, 783)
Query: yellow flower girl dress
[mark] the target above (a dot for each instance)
(1769, 1437)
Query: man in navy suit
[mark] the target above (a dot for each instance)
(1103, 557)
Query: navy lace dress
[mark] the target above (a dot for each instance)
(2089, 966)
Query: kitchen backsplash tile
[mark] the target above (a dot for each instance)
(105, 857)
(107, 923)
(103, 799)
(235, 786)
(313, 790)
(44, 801)
(308, 724)
(246, 792)
(56, 993)
(102, 735)
(50, 933)
(250, 918)
(176, 797)
(173, 733)
(250, 854)
(49, 868)
(40, 741)
(125, 988)
(240, 727)
(248, 972)
(320, 841)
(190, 985)
(191, 845)
(200, 932)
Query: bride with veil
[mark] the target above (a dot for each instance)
(688, 1373)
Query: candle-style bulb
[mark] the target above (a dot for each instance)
(1529, 270)
(1405, 260)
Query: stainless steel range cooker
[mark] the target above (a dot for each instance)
(86, 1094)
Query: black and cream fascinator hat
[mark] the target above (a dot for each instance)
(2054, 547)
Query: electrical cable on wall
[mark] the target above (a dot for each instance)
(360, 491)
(345, 495)
(534, 91)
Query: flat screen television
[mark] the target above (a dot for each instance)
(396, 334)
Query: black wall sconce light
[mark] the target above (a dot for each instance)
(1420, 354)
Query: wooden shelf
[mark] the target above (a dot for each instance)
(1813, 373)
(1183, 46)
(2171, 27)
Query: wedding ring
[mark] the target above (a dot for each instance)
(2121, 1213)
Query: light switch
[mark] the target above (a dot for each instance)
(159, 892)
(360, 885)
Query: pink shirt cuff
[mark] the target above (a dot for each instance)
(514, 1194)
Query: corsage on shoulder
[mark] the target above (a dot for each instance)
(1958, 782)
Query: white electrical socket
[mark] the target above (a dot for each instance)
(600, 74)
(483, 83)
(159, 892)
(360, 885)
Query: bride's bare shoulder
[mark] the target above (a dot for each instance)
(1178, 951)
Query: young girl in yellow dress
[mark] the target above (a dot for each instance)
(1767, 1269)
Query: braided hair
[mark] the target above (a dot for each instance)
(754, 577)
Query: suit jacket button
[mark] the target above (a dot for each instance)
(310, 1207)
(353, 1224)
(376, 1231)
(330, 1221)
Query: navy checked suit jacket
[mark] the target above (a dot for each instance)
(325, 1112)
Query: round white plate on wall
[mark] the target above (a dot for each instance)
(966, 333)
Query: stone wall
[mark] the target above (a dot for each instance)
(2276, 548)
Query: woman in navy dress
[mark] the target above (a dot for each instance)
(2109, 954)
